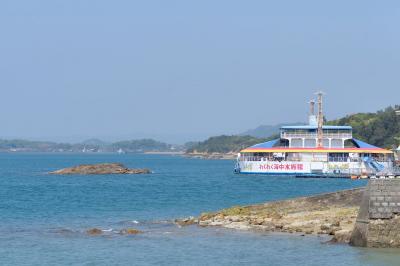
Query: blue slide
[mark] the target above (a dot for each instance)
(373, 164)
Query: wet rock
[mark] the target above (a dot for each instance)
(130, 231)
(279, 226)
(206, 216)
(336, 223)
(259, 221)
(238, 225)
(234, 218)
(186, 221)
(94, 231)
(326, 227)
(342, 236)
(99, 169)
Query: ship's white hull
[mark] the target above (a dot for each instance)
(305, 168)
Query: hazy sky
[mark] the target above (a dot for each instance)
(181, 70)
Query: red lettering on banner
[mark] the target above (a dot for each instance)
(287, 167)
(293, 167)
(300, 166)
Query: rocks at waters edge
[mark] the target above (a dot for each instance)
(94, 231)
(186, 221)
(127, 231)
(99, 169)
(130, 231)
(331, 213)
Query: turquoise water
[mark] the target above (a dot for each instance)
(43, 218)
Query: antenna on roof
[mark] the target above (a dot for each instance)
(320, 120)
(312, 120)
(312, 105)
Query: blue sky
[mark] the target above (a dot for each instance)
(185, 70)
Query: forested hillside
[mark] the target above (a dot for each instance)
(381, 128)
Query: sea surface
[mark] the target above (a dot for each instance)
(43, 218)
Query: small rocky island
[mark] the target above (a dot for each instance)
(99, 169)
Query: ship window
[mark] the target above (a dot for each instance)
(325, 143)
(310, 143)
(336, 143)
(296, 143)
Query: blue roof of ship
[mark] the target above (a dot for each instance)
(315, 127)
(364, 145)
(268, 144)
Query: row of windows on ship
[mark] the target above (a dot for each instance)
(330, 157)
(312, 143)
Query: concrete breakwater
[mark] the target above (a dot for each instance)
(331, 213)
(378, 221)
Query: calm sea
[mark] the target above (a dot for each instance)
(43, 218)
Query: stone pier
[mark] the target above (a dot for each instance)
(378, 220)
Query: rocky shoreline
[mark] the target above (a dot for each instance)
(99, 169)
(330, 214)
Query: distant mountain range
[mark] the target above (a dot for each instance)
(91, 145)
(265, 131)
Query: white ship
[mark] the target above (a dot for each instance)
(315, 150)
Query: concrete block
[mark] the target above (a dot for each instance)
(375, 204)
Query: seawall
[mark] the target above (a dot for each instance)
(378, 221)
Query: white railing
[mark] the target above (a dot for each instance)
(286, 135)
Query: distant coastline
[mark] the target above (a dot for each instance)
(211, 156)
(381, 129)
(89, 146)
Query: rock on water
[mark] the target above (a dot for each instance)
(99, 169)
(94, 231)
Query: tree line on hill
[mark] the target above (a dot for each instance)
(381, 128)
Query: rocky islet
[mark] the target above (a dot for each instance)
(99, 169)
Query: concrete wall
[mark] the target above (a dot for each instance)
(378, 221)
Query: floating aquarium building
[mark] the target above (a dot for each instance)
(315, 150)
